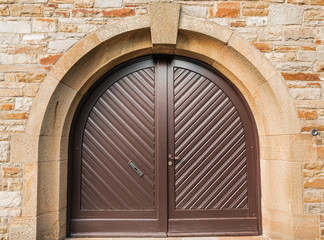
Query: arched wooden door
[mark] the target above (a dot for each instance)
(164, 146)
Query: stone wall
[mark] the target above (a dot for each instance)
(35, 34)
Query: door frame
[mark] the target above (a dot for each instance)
(163, 71)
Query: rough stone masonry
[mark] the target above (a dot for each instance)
(34, 34)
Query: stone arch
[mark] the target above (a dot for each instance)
(50, 119)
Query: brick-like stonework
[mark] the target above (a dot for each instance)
(35, 34)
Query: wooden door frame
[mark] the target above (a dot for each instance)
(163, 71)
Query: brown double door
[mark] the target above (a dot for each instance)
(164, 147)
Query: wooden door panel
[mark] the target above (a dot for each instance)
(116, 130)
(127, 136)
(209, 190)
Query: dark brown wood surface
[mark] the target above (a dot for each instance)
(192, 135)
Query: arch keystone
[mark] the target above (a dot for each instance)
(164, 20)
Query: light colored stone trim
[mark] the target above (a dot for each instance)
(53, 109)
(164, 20)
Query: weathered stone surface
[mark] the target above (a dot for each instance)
(319, 67)
(305, 94)
(10, 199)
(49, 59)
(120, 13)
(44, 25)
(22, 228)
(270, 34)
(314, 15)
(228, 9)
(58, 46)
(257, 21)
(15, 27)
(4, 151)
(83, 3)
(30, 77)
(307, 114)
(285, 15)
(108, 3)
(4, 11)
(23, 104)
(263, 47)
(26, 11)
(314, 183)
(164, 19)
(297, 34)
(194, 10)
(255, 9)
(317, 2)
(301, 76)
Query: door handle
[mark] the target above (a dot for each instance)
(173, 158)
(170, 163)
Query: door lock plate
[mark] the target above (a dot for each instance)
(136, 169)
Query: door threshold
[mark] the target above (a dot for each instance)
(177, 238)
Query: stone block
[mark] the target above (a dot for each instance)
(6, 58)
(294, 148)
(10, 199)
(119, 13)
(30, 77)
(25, 59)
(257, 21)
(26, 11)
(29, 49)
(164, 21)
(305, 227)
(228, 10)
(12, 38)
(58, 46)
(307, 56)
(23, 104)
(49, 59)
(24, 148)
(320, 56)
(285, 14)
(319, 67)
(30, 192)
(194, 10)
(207, 28)
(263, 47)
(271, 33)
(15, 27)
(48, 225)
(285, 180)
(4, 11)
(108, 3)
(12, 172)
(22, 228)
(301, 76)
(84, 3)
(4, 151)
(314, 15)
(305, 93)
(44, 25)
(31, 90)
(307, 114)
(68, 28)
(190, 43)
(299, 34)
(48, 193)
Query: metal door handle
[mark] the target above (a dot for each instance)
(173, 158)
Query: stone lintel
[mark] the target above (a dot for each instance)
(164, 21)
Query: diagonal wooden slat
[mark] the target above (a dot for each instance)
(120, 128)
(210, 141)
